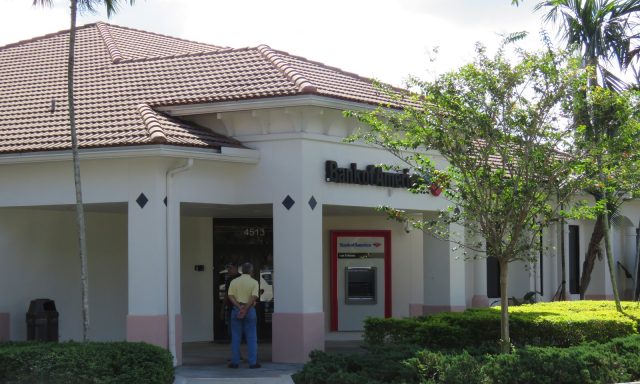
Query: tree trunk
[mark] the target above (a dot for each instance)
(612, 271)
(82, 244)
(593, 252)
(505, 341)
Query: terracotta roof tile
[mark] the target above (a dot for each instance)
(126, 43)
(122, 74)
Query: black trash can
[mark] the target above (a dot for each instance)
(42, 320)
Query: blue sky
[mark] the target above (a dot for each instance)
(387, 40)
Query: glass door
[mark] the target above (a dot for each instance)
(239, 241)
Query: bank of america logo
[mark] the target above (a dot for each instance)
(377, 244)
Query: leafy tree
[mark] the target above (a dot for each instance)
(90, 6)
(603, 32)
(497, 125)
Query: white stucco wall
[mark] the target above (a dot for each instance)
(40, 260)
(197, 287)
(436, 270)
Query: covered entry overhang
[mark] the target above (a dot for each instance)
(133, 226)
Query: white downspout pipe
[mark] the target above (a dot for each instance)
(171, 258)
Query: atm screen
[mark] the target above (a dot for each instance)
(360, 285)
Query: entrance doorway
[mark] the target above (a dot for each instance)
(240, 241)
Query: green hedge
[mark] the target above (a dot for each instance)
(615, 361)
(384, 365)
(545, 324)
(73, 362)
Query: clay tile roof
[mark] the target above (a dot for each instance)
(122, 74)
(126, 43)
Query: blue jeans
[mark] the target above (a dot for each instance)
(248, 327)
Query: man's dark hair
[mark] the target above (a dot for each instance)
(247, 268)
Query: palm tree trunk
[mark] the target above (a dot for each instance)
(592, 79)
(82, 244)
(593, 252)
(612, 271)
(505, 341)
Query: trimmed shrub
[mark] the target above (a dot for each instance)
(73, 362)
(378, 365)
(615, 361)
(554, 324)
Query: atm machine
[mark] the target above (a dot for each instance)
(361, 278)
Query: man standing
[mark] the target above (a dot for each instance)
(243, 294)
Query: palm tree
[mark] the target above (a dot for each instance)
(89, 6)
(604, 33)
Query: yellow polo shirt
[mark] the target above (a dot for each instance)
(243, 287)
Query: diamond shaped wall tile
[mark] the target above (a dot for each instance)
(288, 202)
(313, 203)
(142, 200)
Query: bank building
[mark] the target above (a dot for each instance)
(194, 156)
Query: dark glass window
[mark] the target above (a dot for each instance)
(574, 259)
(541, 264)
(493, 277)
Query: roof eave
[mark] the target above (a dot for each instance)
(225, 154)
(266, 103)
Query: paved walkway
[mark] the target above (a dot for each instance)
(269, 373)
(206, 363)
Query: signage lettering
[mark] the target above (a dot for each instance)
(356, 244)
(371, 175)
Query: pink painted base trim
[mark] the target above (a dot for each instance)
(5, 329)
(416, 310)
(433, 309)
(295, 335)
(479, 301)
(150, 329)
(179, 339)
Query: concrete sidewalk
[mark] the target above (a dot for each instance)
(206, 363)
(272, 373)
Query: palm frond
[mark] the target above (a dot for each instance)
(611, 80)
(603, 31)
(43, 3)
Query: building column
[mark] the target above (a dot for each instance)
(444, 271)
(480, 299)
(147, 259)
(298, 319)
(416, 306)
